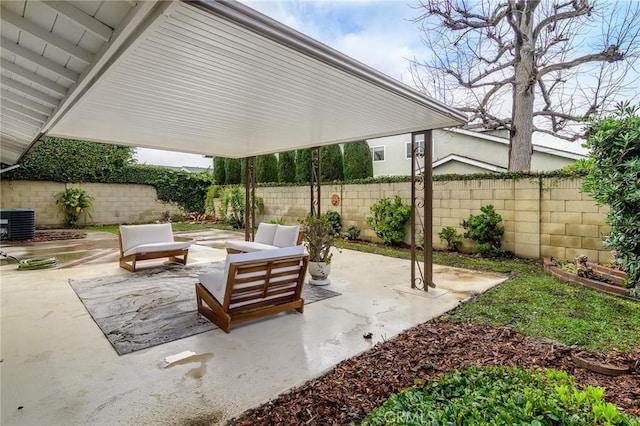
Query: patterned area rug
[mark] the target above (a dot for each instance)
(154, 306)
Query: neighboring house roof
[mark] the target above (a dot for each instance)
(505, 141)
(189, 169)
(470, 161)
(208, 77)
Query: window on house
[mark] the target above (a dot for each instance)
(377, 153)
(420, 149)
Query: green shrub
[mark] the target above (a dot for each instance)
(210, 200)
(188, 190)
(357, 160)
(352, 233)
(331, 163)
(219, 176)
(389, 220)
(73, 202)
(615, 151)
(335, 220)
(177, 217)
(233, 171)
(68, 160)
(267, 168)
(303, 166)
(451, 237)
(287, 167)
(232, 206)
(485, 231)
(500, 396)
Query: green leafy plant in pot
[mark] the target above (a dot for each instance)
(319, 237)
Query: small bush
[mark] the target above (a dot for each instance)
(73, 202)
(352, 233)
(500, 395)
(232, 206)
(210, 200)
(335, 220)
(177, 217)
(451, 237)
(485, 231)
(389, 220)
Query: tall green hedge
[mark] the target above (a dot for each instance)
(219, 174)
(287, 167)
(358, 163)
(331, 163)
(233, 171)
(303, 166)
(267, 168)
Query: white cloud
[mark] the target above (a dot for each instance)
(376, 33)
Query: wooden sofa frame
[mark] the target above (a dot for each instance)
(175, 255)
(280, 291)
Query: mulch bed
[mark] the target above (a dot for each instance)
(51, 235)
(357, 385)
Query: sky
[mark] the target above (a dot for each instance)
(380, 34)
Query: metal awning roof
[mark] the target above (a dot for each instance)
(207, 77)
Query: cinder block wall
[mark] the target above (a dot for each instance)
(571, 222)
(113, 204)
(542, 217)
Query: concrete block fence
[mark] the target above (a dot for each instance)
(542, 217)
(113, 204)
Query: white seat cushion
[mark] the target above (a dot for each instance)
(286, 236)
(138, 235)
(155, 247)
(265, 233)
(248, 246)
(215, 284)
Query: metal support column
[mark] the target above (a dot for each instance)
(249, 198)
(421, 209)
(315, 177)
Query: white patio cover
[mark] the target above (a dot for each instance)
(206, 77)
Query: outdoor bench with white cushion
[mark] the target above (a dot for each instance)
(152, 241)
(253, 285)
(269, 236)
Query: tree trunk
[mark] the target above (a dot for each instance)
(521, 148)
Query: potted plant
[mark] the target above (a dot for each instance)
(319, 237)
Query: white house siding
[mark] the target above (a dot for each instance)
(482, 148)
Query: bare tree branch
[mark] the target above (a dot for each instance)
(610, 55)
(530, 65)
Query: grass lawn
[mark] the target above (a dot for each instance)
(175, 226)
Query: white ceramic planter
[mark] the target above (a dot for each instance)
(319, 272)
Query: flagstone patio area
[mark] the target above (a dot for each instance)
(58, 368)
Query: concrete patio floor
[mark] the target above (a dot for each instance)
(57, 368)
